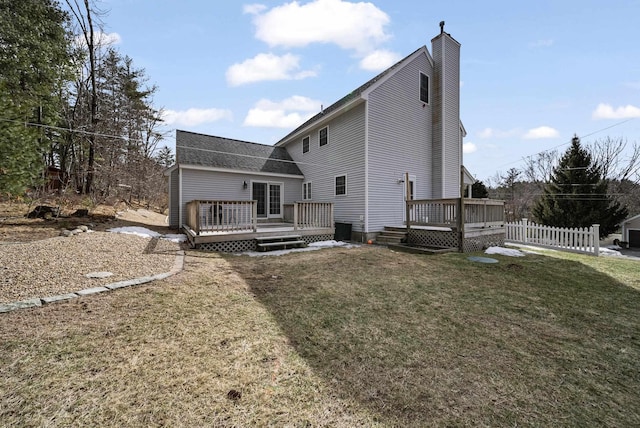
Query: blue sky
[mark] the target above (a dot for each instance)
(533, 73)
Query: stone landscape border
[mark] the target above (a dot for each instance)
(178, 265)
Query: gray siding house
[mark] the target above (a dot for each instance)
(354, 154)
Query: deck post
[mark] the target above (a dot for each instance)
(254, 215)
(295, 216)
(197, 217)
(461, 213)
(407, 199)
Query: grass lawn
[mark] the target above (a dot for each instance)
(340, 338)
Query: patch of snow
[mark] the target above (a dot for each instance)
(611, 251)
(136, 230)
(312, 247)
(482, 259)
(176, 237)
(511, 252)
(332, 243)
(147, 233)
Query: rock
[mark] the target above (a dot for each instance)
(76, 231)
(83, 212)
(83, 228)
(44, 211)
(66, 233)
(99, 275)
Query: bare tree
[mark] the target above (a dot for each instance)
(84, 19)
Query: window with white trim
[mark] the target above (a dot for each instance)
(305, 145)
(323, 136)
(424, 88)
(306, 191)
(341, 185)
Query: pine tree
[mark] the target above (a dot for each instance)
(34, 66)
(478, 190)
(577, 196)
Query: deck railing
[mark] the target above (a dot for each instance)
(222, 216)
(312, 215)
(478, 213)
(242, 216)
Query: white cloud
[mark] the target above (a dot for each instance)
(543, 43)
(606, 111)
(287, 113)
(540, 133)
(469, 147)
(267, 67)
(497, 133)
(253, 9)
(353, 26)
(195, 116)
(486, 133)
(101, 39)
(379, 60)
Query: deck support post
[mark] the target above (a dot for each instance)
(461, 212)
(406, 200)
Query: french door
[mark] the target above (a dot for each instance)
(269, 197)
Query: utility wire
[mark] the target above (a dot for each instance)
(75, 130)
(569, 142)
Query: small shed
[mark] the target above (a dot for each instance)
(631, 231)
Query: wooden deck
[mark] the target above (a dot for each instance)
(211, 223)
(263, 230)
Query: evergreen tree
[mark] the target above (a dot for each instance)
(34, 65)
(577, 196)
(478, 191)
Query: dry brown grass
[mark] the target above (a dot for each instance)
(359, 337)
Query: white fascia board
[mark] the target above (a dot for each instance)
(462, 128)
(631, 219)
(468, 178)
(239, 171)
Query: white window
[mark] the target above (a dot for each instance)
(323, 136)
(424, 88)
(305, 145)
(306, 191)
(341, 185)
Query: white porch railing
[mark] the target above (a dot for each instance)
(580, 239)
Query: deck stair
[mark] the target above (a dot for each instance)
(283, 242)
(392, 235)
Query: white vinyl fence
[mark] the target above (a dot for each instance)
(579, 239)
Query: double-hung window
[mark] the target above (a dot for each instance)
(305, 145)
(306, 191)
(341, 185)
(424, 88)
(323, 136)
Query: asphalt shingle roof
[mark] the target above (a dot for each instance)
(219, 152)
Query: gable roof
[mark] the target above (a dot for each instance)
(219, 152)
(356, 94)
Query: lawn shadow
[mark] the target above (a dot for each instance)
(439, 340)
